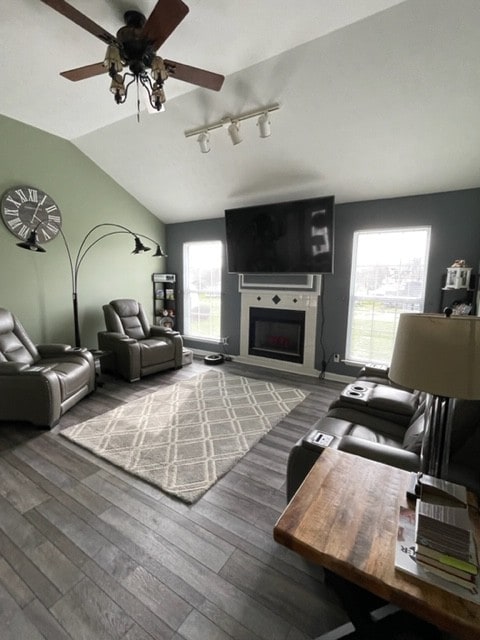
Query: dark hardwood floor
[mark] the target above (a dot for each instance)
(91, 553)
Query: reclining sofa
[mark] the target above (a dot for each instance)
(378, 420)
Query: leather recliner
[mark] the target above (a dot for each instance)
(138, 348)
(39, 383)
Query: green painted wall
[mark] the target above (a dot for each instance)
(37, 287)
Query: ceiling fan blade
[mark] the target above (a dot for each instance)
(81, 73)
(164, 19)
(200, 77)
(80, 19)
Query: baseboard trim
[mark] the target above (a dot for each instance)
(275, 365)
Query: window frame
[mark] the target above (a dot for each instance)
(394, 299)
(188, 290)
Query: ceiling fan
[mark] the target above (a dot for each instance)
(134, 47)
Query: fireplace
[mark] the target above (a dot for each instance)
(278, 322)
(277, 334)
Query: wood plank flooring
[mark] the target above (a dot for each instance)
(88, 552)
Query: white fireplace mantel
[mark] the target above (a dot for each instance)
(276, 298)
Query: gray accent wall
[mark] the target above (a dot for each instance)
(203, 231)
(37, 287)
(454, 218)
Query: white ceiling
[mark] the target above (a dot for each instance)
(379, 98)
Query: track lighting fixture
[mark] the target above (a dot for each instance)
(234, 132)
(232, 125)
(204, 141)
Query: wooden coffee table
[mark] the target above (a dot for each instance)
(344, 517)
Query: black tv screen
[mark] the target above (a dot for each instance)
(287, 237)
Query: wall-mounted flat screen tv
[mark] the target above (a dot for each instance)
(286, 237)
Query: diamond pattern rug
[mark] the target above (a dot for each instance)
(184, 437)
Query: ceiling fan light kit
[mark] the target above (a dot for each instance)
(134, 48)
(232, 124)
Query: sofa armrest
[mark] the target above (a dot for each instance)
(109, 339)
(54, 349)
(58, 350)
(12, 368)
(381, 453)
(156, 330)
(175, 336)
(374, 370)
(126, 353)
(32, 394)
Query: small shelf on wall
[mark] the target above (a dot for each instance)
(459, 298)
(164, 299)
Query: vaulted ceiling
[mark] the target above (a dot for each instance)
(379, 98)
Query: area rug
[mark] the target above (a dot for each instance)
(184, 437)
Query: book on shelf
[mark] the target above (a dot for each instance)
(406, 561)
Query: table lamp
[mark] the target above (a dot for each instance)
(438, 354)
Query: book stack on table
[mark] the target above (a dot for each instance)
(435, 541)
(445, 545)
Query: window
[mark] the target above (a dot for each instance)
(202, 268)
(389, 270)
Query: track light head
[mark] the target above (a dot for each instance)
(234, 132)
(204, 141)
(264, 125)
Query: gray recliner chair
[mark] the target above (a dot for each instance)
(39, 383)
(138, 348)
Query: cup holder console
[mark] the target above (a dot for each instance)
(356, 392)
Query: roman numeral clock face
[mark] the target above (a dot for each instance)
(27, 209)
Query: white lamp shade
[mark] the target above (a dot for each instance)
(438, 355)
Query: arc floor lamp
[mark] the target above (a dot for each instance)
(88, 242)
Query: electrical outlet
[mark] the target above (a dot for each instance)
(225, 340)
(336, 357)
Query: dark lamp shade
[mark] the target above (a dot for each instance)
(438, 355)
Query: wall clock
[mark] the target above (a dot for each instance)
(25, 209)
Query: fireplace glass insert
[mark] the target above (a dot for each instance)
(277, 334)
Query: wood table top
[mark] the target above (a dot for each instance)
(345, 516)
